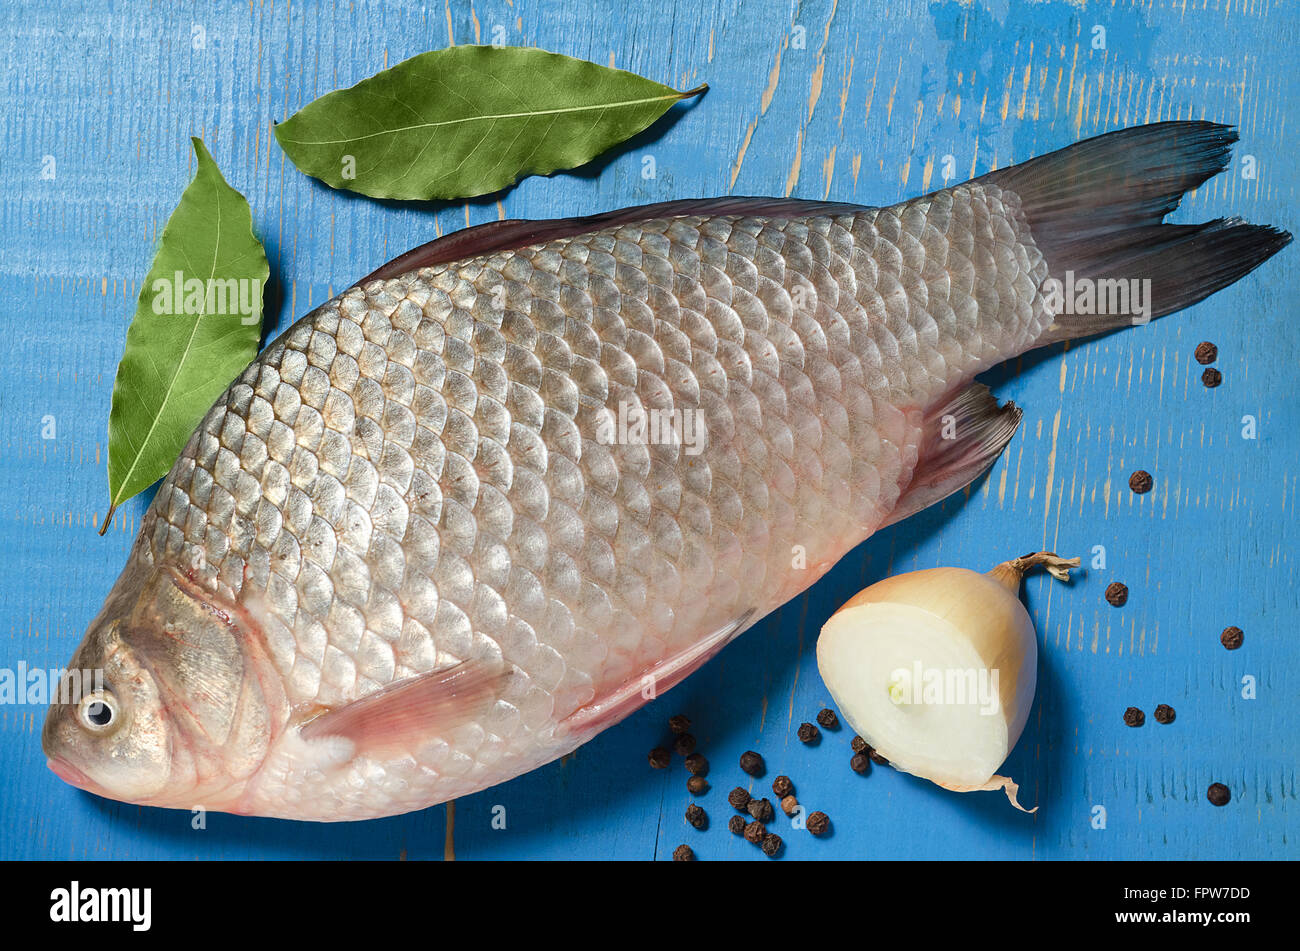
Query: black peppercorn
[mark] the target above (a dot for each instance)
(1140, 482)
(1117, 593)
(660, 758)
(754, 832)
(736, 825)
(1206, 352)
(809, 733)
(679, 724)
(1164, 713)
(697, 785)
(697, 816)
(1218, 794)
(761, 809)
(1134, 717)
(683, 853)
(697, 765)
(739, 798)
(782, 787)
(1211, 377)
(684, 745)
(1231, 638)
(828, 719)
(860, 764)
(752, 763)
(859, 744)
(771, 844)
(818, 823)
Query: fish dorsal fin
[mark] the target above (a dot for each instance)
(398, 718)
(606, 710)
(521, 233)
(960, 438)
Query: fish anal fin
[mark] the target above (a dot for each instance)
(606, 710)
(961, 437)
(400, 717)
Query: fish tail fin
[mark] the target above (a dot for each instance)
(1096, 210)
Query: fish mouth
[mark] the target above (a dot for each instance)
(71, 775)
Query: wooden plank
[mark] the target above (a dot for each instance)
(867, 101)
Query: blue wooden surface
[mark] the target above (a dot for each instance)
(857, 101)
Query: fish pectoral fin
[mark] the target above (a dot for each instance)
(961, 438)
(398, 718)
(604, 711)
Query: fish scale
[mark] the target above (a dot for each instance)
(402, 558)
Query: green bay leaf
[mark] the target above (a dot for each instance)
(196, 326)
(469, 120)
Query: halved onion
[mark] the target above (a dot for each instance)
(936, 669)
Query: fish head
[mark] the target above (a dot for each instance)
(160, 706)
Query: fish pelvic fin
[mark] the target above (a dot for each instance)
(1096, 209)
(961, 437)
(605, 710)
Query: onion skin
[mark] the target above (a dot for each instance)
(1005, 783)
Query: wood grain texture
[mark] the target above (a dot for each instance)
(856, 101)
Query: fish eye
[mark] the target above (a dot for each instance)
(98, 711)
